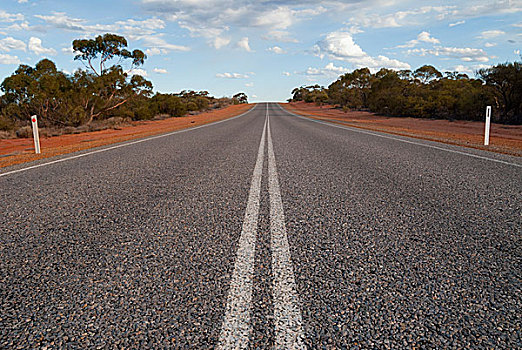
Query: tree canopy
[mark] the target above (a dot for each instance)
(426, 93)
(106, 48)
(91, 94)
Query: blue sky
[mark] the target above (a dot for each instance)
(265, 48)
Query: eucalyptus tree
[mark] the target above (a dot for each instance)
(104, 49)
(106, 84)
(506, 80)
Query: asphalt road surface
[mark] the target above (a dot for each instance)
(264, 231)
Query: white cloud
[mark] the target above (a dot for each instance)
(249, 84)
(220, 42)
(138, 71)
(214, 18)
(424, 37)
(330, 70)
(215, 36)
(286, 74)
(280, 36)
(17, 27)
(427, 38)
(468, 69)
(462, 69)
(133, 29)
(62, 21)
(232, 75)
(8, 59)
(490, 44)
(23, 1)
(35, 45)
(243, 44)
(160, 71)
(136, 30)
(519, 25)
(340, 46)
(69, 50)
(279, 18)
(488, 34)
(354, 30)
(276, 50)
(10, 17)
(465, 54)
(456, 23)
(9, 43)
(476, 8)
(398, 18)
(368, 14)
(155, 51)
(156, 45)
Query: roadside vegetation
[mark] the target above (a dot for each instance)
(425, 93)
(104, 93)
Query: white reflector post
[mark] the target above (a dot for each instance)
(488, 125)
(36, 137)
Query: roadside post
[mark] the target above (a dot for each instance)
(488, 125)
(36, 136)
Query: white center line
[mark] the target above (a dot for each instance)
(237, 327)
(287, 315)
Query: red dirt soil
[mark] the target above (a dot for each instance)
(503, 138)
(16, 151)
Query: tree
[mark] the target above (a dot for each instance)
(109, 88)
(427, 74)
(42, 90)
(240, 97)
(425, 93)
(506, 80)
(105, 48)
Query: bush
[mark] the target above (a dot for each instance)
(6, 124)
(24, 132)
(192, 106)
(143, 113)
(78, 116)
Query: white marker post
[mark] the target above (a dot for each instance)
(36, 136)
(488, 125)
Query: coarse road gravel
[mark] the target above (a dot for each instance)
(394, 242)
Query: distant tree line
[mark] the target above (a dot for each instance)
(102, 90)
(426, 93)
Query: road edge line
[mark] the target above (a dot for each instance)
(125, 143)
(399, 139)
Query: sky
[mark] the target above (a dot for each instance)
(265, 48)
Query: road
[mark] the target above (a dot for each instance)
(267, 230)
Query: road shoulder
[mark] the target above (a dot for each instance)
(505, 140)
(18, 151)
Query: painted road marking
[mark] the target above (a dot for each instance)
(236, 330)
(287, 315)
(401, 140)
(124, 144)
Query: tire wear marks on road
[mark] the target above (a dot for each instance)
(287, 315)
(237, 327)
